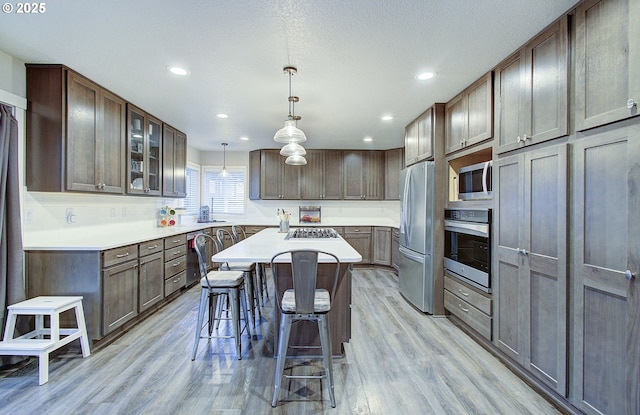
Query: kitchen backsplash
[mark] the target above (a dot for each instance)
(77, 211)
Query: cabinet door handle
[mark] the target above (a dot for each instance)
(466, 310)
(631, 103)
(122, 255)
(629, 275)
(463, 293)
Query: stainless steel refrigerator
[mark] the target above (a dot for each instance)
(416, 235)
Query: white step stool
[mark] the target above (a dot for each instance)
(34, 343)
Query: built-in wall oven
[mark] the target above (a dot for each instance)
(467, 247)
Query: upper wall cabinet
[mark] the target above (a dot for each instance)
(607, 62)
(418, 140)
(174, 162)
(271, 178)
(144, 141)
(469, 115)
(321, 178)
(393, 164)
(75, 133)
(531, 91)
(364, 174)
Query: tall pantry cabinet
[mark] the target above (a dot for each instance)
(530, 276)
(606, 261)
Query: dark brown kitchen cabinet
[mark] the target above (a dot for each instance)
(363, 174)
(469, 115)
(175, 265)
(321, 178)
(382, 245)
(359, 237)
(531, 90)
(278, 180)
(75, 134)
(150, 274)
(607, 47)
(393, 164)
(530, 284)
(395, 248)
(120, 287)
(604, 273)
(144, 155)
(418, 141)
(174, 162)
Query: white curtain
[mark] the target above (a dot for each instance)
(12, 288)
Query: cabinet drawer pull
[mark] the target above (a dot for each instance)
(175, 241)
(122, 255)
(176, 264)
(152, 247)
(177, 280)
(463, 293)
(466, 310)
(175, 253)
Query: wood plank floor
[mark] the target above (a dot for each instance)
(399, 361)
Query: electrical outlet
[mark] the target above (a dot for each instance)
(28, 216)
(71, 217)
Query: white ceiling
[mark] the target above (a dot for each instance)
(356, 59)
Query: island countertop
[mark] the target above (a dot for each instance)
(262, 246)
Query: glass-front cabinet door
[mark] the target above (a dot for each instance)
(144, 143)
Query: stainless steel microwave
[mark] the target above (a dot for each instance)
(474, 182)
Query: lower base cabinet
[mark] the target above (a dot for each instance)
(382, 245)
(395, 248)
(473, 307)
(359, 237)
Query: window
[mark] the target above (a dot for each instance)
(192, 201)
(224, 195)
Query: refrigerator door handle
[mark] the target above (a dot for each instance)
(405, 227)
(411, 255)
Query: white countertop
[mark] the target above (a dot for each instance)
(262, 246)
(101, 238)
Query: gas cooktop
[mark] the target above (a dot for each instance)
(302, 233)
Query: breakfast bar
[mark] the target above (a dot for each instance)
(261, 247)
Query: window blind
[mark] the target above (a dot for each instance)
(192, 201)
(224, 195)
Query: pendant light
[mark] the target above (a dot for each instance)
(296, 160)
(293, 149)
(224, 173)
(290, 133)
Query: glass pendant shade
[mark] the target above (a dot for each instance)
(293, 149)
(289, 133)
(296, 160)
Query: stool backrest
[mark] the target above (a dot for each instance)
(303, 270)
(225, 238)
(238, 233)
(200, 245)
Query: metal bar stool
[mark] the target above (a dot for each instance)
(305, 301)
(249, 270)
(239, 234)
(214, 284)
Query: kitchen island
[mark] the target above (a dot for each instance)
(261, 247)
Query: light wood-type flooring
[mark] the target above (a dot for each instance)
(399, 361)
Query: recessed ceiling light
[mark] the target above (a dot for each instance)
(386, 117)
(425, 75)
(244, 138)
(222, 115)
(367, 139)
(176, 70)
